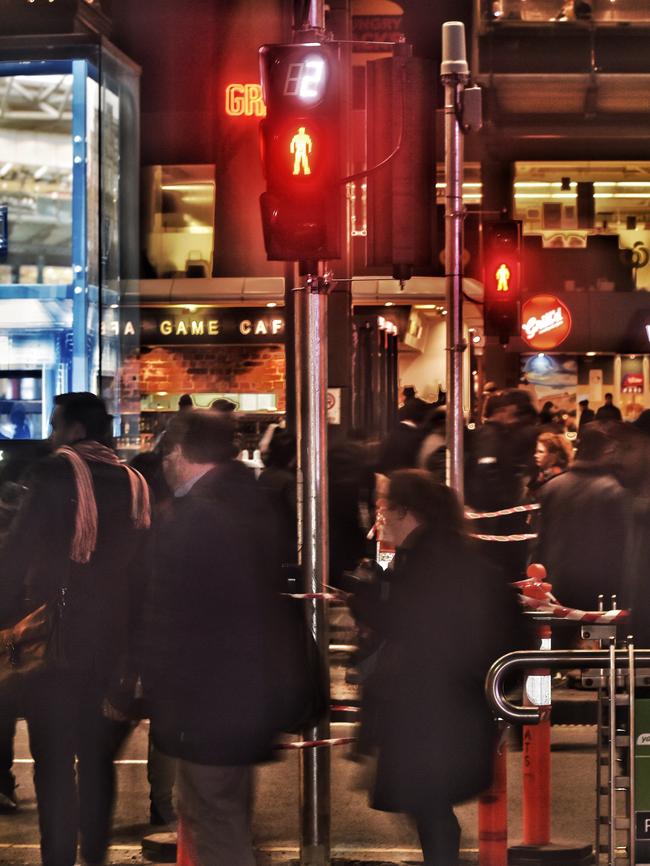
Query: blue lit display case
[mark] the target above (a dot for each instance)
(69, 179)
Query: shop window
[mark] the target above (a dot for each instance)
(178, 220)
(68, 196)
(21, 404)
(548, 11)
(566, 204)
(36, 175)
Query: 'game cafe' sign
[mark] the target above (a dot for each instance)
(192, 326)
(545, 322)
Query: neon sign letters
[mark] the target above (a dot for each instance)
(245, 100)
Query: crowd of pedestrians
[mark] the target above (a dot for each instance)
(165, 585)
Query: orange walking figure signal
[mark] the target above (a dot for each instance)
(503, 278)
(301, 148)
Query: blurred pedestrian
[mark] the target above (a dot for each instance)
(18, 418)
(499, 466)
(547, 413)
(161, 769)
(642, 423)
(410, 398)
(223, 406)
(608, 411)
(185, 402)
(587, 415)
(348, 489)
(11, 495)
(585, 532)
(78, 538)
(433, 450)
(553, 455)
(443, 618)
(400, 448)
(217, 671)
(278, 478)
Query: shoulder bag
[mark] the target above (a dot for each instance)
(33, 645)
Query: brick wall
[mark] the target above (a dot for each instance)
(206, 369)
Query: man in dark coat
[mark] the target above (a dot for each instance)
(77, 542)
(585, 526)
(215, 672)
(608, 411)
(587, 415)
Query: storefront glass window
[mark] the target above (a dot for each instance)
(541, 11)
(36, 175)
(566, 204)
(62, 198)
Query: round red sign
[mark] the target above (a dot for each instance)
(545, 322)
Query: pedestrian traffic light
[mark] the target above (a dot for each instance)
(301, 155)
(502, 278)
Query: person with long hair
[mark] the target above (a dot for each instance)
(444, 617)
(553, 456)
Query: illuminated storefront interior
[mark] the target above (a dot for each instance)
(67, 136)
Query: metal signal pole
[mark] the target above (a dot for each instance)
(454, 73)
(311, 417)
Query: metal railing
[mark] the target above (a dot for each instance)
(554, 660)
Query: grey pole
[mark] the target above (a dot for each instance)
(454, 73)
(311, 355)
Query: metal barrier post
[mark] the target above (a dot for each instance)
(537, 755)
(555, 660)
(493, 814)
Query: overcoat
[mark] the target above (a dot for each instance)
(448, 616)
(585, 535)
(219, 670)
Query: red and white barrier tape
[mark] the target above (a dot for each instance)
(536, 595)
(327, 596)
(558, 611)
(523, 537)
(341, 708)
(504, 512)
(314, 744)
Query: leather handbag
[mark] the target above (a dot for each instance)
(33, 645)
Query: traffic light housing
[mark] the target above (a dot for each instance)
(401, 194)
(502, 278)
(301, 154)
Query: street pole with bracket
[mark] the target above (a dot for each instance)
(462, 112)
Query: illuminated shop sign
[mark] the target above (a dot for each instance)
(545, 322)
(245, 100)
(197, 325)
(632, 383)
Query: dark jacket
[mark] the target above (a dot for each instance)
(449, 615)
(217, 664)
(586, 417)
(585, 535)
(104, 597)
(608, 412)
(280, 486)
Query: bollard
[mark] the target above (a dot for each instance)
(185, 853)
(493, 814)
(536, 846)
(537, 755)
